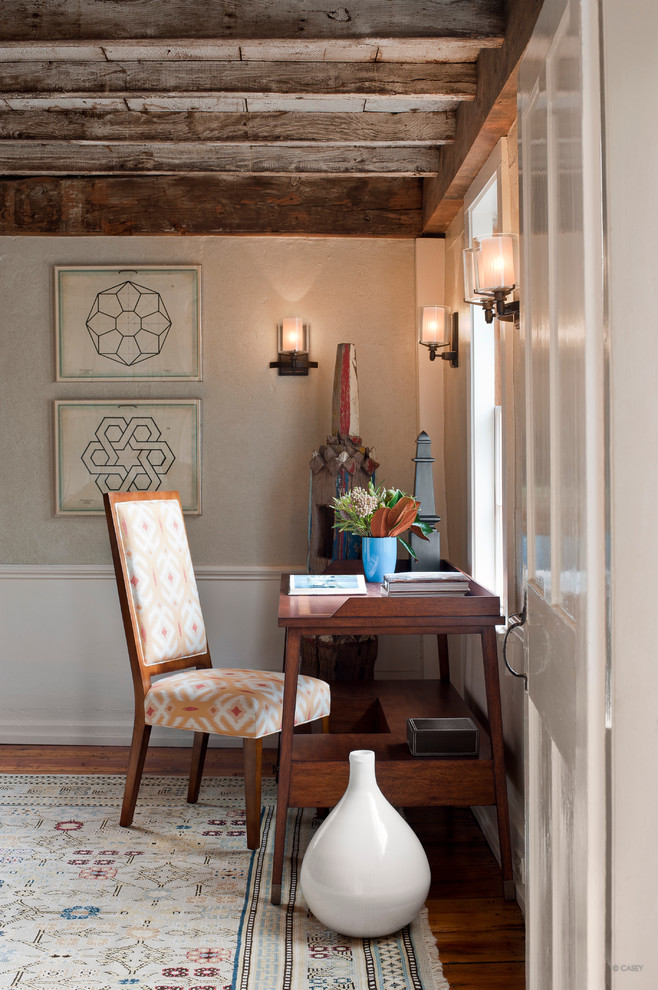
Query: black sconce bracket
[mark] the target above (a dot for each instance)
(293, 364)
(497, 308)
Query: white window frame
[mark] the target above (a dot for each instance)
(487, 530)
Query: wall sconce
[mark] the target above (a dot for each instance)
(437, 330)
(293, 337)
(491, 273)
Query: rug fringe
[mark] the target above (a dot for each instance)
(432, 946)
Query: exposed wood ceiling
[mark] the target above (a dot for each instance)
(262, 116)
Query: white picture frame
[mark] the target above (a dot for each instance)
(127, 323)
(126, 445)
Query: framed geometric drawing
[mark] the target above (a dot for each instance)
(126, 446)
(121, 323)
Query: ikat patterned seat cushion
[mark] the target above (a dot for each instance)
(232, 702)
(162, 579)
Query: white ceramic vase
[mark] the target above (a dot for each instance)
(365, 873)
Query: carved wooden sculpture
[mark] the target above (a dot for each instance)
(342, 463)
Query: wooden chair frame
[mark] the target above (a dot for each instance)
(142, 675)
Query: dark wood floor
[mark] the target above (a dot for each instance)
(479, 934)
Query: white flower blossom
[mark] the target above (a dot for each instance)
(362, 502)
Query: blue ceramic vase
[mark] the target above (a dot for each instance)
(379, 555)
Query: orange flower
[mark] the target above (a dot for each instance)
(397, 519)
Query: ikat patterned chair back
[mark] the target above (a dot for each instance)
(164, 599)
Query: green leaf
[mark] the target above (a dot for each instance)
(394, 498)
(407, 548)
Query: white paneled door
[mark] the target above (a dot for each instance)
(562, 328)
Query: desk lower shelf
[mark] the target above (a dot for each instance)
(373, 715)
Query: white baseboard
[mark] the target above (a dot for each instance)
(105, 734)
(29, 732)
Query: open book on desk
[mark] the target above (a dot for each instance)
(327, 584)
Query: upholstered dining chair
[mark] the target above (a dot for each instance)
(165, 634)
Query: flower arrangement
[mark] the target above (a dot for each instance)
(379, 512)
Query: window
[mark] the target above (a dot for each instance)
(484, 215)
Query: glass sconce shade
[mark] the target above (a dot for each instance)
(293, 341)
(293, 336)
(435, 325)
(495, 263)
(470, 294)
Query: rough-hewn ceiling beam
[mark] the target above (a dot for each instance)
(96, 81)
(385, 49)
(304, 205)
(130, 157)
(482, 123)
(228, 19)
(321, 128)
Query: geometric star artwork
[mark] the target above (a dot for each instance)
(128, 323)
(128, 455)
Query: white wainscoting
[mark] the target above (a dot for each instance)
(65, 671)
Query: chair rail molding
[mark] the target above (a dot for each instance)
(87, 572)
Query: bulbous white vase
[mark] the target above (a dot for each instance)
(365, 873)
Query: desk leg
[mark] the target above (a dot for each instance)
(291, 668)
(444, 656)
(492, 685)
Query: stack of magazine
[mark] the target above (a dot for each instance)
(421, 583)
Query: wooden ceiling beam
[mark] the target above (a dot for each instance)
(165, 158)
(217, 205)
(327, 128)
(294, 19)
(481, 123)
(222, 103)
(242, 80)
(429, 49)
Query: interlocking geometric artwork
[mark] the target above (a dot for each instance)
(128, 323)
(110, 445)
(128, 455)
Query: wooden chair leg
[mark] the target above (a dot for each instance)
(199, 748)
(138, 747)
(252, 751)
(322, 726)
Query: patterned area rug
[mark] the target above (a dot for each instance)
(176, 902)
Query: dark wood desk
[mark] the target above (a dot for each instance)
(313, 769)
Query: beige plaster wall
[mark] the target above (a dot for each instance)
(258, 429)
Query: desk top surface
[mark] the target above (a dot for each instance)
(374, 609)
